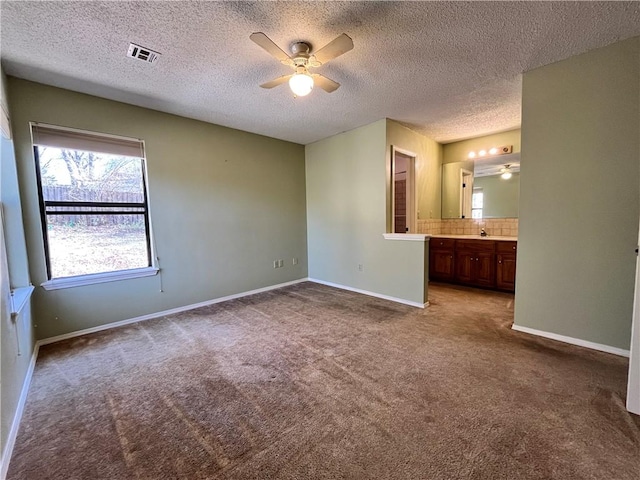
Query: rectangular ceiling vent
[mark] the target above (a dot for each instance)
(142, 53)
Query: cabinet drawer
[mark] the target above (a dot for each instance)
(506, 247)
(441, 243)
(488, 246)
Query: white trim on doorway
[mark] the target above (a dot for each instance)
(412, 202)
(633, 385)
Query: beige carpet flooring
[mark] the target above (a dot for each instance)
(311, 382)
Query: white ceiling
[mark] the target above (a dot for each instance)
(450, 70)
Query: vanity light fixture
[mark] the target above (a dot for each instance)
(506, 172)
(504, 150)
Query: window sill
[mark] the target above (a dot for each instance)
(407, 237)
(82, 280)
(19, 298)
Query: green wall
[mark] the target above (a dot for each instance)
(14, 274)
(579, 195)
(224, 204)
(428, 168)
(347, 213)
(17, 340)
(11, 206)
(501, 197)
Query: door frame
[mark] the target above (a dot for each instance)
(463, 192)
(633, 386)
(412, 201)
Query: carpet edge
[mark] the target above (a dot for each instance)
(150, 316)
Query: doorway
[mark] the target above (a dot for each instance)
(466, 192)
(633, 388)
(403, 198)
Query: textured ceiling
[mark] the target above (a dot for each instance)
(449, 70)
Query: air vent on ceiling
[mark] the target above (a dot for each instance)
(142, 53)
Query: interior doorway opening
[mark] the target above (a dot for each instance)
(403, 198)
(466, 193)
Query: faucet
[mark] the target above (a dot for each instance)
(483, 233)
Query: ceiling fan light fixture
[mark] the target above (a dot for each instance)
(301, 84)
(301, 60)
(506, 172)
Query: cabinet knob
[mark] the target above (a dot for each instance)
(499, 261)
(514, 248)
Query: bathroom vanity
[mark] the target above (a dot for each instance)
(487, 262)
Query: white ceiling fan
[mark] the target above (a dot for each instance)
(301, 60)
(506, 172)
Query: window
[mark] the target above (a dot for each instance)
(94, 207)
(477, 203)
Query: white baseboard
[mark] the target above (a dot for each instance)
(15, 425)
(371, 294)
(150, 316)
(572, 341)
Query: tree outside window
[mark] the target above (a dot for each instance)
(94, 211)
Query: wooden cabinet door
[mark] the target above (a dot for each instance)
(484, 269)
(441, 265)
(475, 262)
(464, 267)
(506, 272)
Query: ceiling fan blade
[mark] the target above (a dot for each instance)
(265, 42)
(277, 81)
(325, 83)
(335, 48)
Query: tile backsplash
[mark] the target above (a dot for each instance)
(430, 226)
(505, 227)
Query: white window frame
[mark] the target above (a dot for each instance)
(44, 134)
(479, 191)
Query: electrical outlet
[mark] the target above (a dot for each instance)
(280, 263)
(360, 267)
(275, 264)
(295, 260)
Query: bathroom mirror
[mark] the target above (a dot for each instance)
(478, 189)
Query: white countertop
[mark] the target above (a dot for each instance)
(474, 237)
(422, 237)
